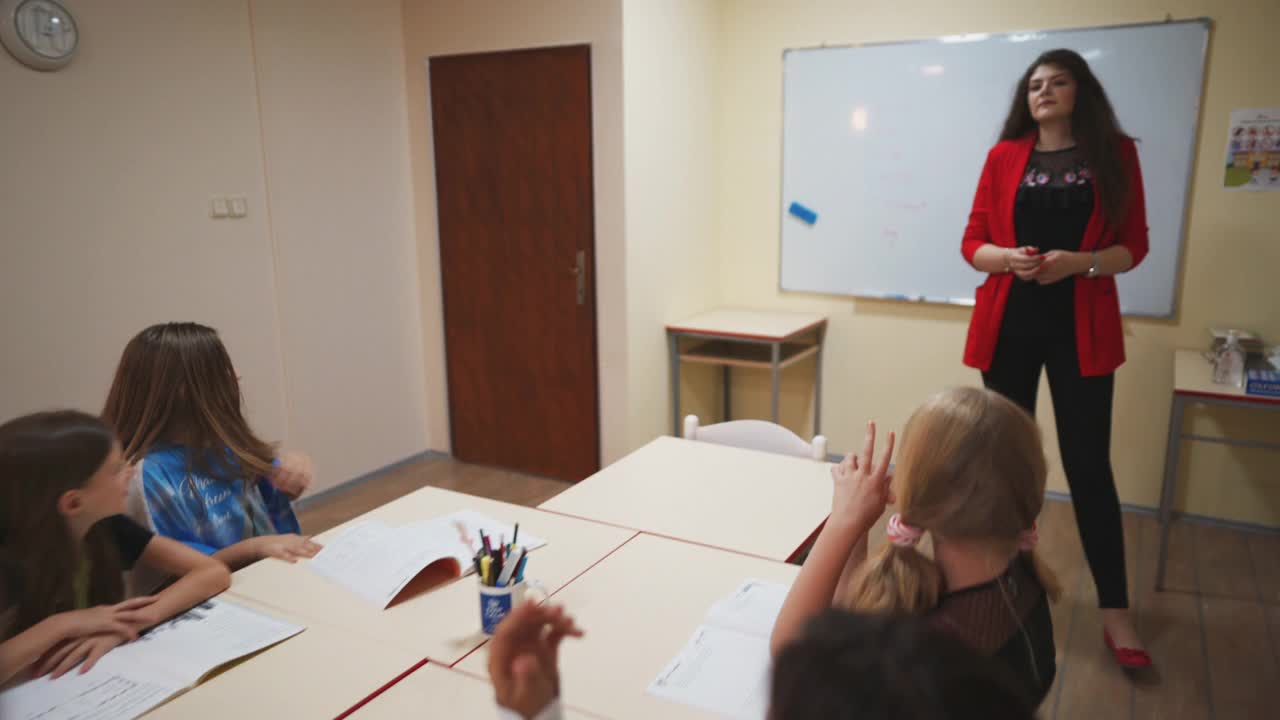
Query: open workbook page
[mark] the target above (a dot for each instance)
(376, 561)
(724, 668)
(168, 659)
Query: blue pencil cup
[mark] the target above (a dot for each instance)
(495, 603)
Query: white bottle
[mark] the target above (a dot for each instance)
(1229, 369)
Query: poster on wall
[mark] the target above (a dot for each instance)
(1253, 150)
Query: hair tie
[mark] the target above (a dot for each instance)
(1027, 539)
(902, 534)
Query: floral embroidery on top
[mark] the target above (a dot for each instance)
(1076, 173)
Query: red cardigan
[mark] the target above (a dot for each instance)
(1099, 338)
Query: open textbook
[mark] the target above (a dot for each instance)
(376, 561)
(724, 668)
(168, 659)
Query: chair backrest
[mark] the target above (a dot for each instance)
(756, 435)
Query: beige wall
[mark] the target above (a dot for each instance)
(673, 259)
(446, 27)
(335, 129)
(884, 357)
(328, 294)
(104, 205)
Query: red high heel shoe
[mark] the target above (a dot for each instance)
(1127, 658)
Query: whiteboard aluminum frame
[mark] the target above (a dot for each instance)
(969, 302)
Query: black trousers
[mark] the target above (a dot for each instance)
(1082, 411)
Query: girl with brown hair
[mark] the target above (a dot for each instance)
(971, 474)
(64, 545)
(207, 479)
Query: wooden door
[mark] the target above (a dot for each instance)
(512, 135)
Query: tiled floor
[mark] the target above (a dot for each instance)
(1214, 632)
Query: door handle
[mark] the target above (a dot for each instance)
(579, 272)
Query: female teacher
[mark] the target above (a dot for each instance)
(1058, 213)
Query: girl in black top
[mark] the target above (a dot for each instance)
(64, 545)
(971, 474)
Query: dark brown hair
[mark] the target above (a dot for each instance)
(1093, 124)
(43, 456)
(176, 383)
(888, 667)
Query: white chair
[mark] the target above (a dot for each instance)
(756, 435)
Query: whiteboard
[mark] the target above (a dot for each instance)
(885, 144)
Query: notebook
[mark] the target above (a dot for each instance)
(376, 561)
(167, 660)
(724, 668)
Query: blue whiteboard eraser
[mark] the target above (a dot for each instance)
(803, 213)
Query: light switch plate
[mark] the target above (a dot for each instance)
(239, 206)
(219, 208)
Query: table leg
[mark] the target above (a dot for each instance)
(777, 359)
(726, 377)
(673, 346)
(817, 384)
(1172, 454)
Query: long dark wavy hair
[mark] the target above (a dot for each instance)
(1093, 123)
(43, 456)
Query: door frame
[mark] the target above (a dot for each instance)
(592, 263)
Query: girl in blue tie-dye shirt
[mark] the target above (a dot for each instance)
(207, 480)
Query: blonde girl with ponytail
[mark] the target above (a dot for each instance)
(970, 474)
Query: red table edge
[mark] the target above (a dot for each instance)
(1259, 399)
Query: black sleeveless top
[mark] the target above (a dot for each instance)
(1051, 211)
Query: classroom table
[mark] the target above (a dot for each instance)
(436, 691)
(742, 500)
(734, 337)
(318, 673)
(637, 609)
(442, 624)
(1193, 383)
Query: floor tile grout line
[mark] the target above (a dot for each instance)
(1262, 605)
(1204, 630)
(1137, 612)
(1070, 634)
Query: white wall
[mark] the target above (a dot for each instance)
(673, 270)
(448, 27)
(104, 204)
(105, 227)
(335, 129)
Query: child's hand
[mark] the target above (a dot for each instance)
(289, 548)
(523, 662)
(83, 651)
(119, 619)
(293, 475)
(140, 612)
(861, 484)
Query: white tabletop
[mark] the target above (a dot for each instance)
(751, 324)
(442, 624)
(743, 500)
(1193, 375)
(436, 691)
(637, 609)
(321, 672)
